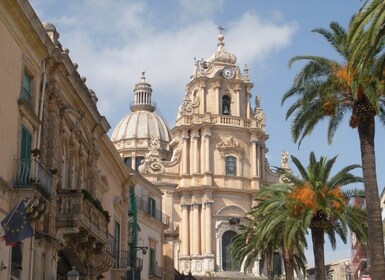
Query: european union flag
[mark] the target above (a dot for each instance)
(16, 224)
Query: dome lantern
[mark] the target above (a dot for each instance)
(143, 92)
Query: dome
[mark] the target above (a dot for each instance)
(221, 55)
(141, 124)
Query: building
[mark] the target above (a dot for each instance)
(359, 262)
(338, 270)
(57, 159)
(209, 166)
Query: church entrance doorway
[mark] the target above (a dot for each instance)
(227, 262)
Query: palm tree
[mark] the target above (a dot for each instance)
(371, 18)
(270, 229)
(318, 201)
(327, 89)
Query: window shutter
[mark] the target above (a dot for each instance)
(152, 261)
(25, 156)
(25, 144)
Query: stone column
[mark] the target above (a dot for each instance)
(208, 226)
(185, 230)
(195, 139)
(216, 87)
(262, 151)
(203, 98)
(253, 157)
(207, 134)
(237, 90)
(196, 228)
(185, 153)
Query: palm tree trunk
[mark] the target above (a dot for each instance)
(366, 131)
(317, 235)
(288, 257)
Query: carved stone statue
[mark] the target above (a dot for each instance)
(285, 159)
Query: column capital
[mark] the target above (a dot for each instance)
(208, 203)
(254, 140)
(185, 135)
(216, 85)
(185, 206)
(195, 205)
(206, 132)
(195, 134)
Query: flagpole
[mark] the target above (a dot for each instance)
(14, 210)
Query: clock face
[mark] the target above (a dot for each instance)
(228, 72)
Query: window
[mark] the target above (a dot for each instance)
(138, 161)
(152, 262)
(152, 207)
(116, 243)
(17, 260)
(227, 262)
(277, 264)
(226, 105)
(26, 91)
(25, 154)
(231, 165)
(128, 162)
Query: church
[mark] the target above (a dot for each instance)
(144, 202)
(209, 166)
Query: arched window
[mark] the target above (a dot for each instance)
(128, 162)
(226, 101)
(138, 161)
(227, 262)
(231, 165)
(277, 264)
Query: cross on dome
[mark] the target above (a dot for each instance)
(143, 78)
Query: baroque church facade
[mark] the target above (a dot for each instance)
(209, 166)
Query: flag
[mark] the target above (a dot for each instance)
(17, 225)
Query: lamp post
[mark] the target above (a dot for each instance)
(133, 267)
(73, 274)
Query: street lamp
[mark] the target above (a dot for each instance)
(73, 274)
(134, 268)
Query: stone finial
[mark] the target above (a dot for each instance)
(52, 33)
(93, 96)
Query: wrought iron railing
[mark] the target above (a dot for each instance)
(31, 173)
(157, 214)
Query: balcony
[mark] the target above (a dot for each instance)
(83, 220)
(217, 119)
(30, 173)
(157, 214)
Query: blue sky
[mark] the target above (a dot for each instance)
(113, 41)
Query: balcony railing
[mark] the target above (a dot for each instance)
(217, 119)
(157, 214)
(79, 209)
(31, 173)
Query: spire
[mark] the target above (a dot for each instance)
(220, 37)
(221, 55)
(143, 92)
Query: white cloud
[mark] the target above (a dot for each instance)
(112, 43)
(197, 9)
